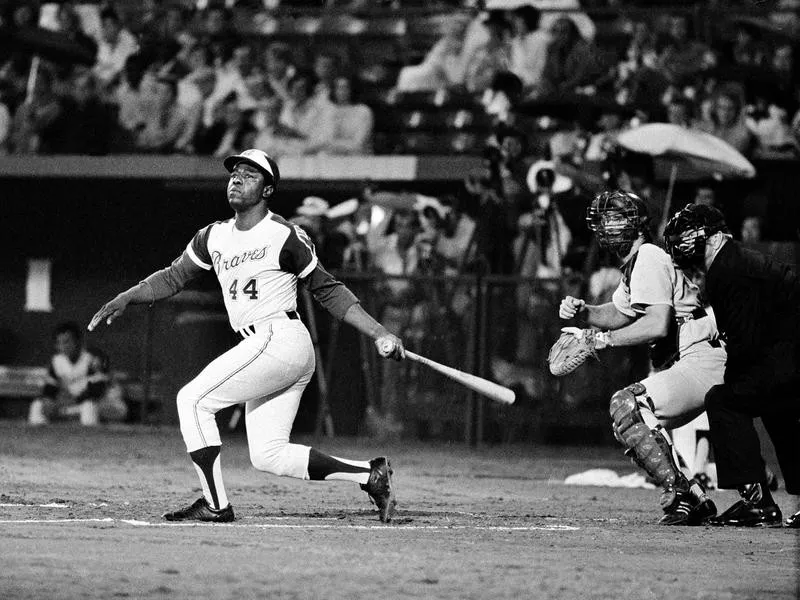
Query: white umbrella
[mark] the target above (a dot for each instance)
(686, 154)
(689, 153)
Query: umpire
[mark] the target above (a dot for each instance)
(757, 307)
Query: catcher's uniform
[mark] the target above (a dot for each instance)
(678, 392)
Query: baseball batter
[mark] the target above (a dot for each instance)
(258, 258)
(652, 296)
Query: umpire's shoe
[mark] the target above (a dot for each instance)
(751, 511)
(200, 510)
(690, 507)
(379, 487)
(793, 521)
(746, 514)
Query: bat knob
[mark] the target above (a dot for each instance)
(386, 346)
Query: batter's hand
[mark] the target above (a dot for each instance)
(109, 311)
(390, 346)
(570, 307)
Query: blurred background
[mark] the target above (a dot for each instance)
(440, 153)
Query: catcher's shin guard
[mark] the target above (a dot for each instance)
(648, 448)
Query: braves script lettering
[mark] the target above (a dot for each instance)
(224, 264)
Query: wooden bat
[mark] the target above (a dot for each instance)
(483, 386)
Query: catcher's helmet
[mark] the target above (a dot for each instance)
(687, 231)
(617, 218)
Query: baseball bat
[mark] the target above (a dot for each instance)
(483, 386)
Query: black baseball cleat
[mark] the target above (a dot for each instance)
(793, 521)
(200, 510)
(746, 514)
(691, 507)
(380, 489)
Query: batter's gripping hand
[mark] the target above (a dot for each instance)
(109, 311)
(572, 349)
(390, 346)
(570, 307)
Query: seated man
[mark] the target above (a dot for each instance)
(77, 384)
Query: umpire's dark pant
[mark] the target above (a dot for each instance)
(770, 390)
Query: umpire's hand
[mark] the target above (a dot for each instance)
(110, 311)
(390, 346)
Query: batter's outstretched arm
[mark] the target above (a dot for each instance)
(344, 305)
(161, 284)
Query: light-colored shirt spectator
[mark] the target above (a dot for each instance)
(528, 45)
(312, 117)
(114, 47)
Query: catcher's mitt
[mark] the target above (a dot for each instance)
(571, 350)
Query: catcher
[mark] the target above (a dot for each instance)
(655, 303)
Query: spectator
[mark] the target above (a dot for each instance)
(727, 119)
(114, 47)
(752, 227)
(231, 79)
(230, 131)
(217, 33)
(77, 384)
(502, 97)
(279, 68)
(165, 26)
(326, 68)
(194, 92)
(774, 134)
(313, 118)
(705, 194)
(571, 62)
(528, 45)
(70, 24)
(34, 127)
(680, 111)
(747, 49)
(443, 65)
(640, 80)
(491, 57)
(166, 123)
(683, 56)
(133, 97)
(353, 121)
(395, 253)
(273, 137)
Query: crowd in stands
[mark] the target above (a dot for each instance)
(209, 78)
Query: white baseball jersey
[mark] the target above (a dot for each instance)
(257, 269)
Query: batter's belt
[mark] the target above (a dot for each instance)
(252, 330)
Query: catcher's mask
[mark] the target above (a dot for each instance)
(688, 230)
(617, 218)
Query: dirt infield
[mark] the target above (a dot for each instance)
(79, 518)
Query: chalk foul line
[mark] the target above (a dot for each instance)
(138, 523)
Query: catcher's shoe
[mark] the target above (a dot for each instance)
(690, 507)
(379, 487)
(200, 510)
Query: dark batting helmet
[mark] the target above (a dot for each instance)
(688, 230)
(618, 218)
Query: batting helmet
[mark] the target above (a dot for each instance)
(618, 218)
(260, 160)
(686, 233)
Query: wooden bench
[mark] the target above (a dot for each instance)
(24, 383)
